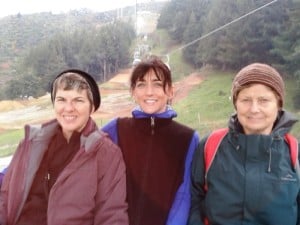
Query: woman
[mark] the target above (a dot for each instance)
(251, 179)
(66, 171)
(157, 150)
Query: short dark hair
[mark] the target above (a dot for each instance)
(155, 64)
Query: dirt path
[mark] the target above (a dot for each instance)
(116, 101)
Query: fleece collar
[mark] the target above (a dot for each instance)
(169, 113)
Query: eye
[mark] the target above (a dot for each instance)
(263, 100)
(157, 84)
(140, 84)
(59, 99)
(79, 100)
(245, 100)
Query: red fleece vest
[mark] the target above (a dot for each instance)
(154, 152)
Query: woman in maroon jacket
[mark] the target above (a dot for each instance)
(66, 171)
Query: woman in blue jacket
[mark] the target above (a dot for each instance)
(251, 180)
(157, 150)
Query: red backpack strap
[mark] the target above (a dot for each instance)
(293, 143)
(211, 147)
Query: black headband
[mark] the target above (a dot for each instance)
(89, 79)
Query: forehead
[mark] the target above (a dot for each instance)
(72, 93)
(256, 90)
(149, 76)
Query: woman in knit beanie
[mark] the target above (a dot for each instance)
(252, 176)
(66, 171)
(262, 74)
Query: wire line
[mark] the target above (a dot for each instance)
(222, 27)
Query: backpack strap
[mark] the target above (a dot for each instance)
(293, 146)
(211, 147)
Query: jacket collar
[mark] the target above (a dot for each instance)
(168, 114)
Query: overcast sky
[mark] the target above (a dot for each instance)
(12, 7)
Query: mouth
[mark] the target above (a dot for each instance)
(150, 101)
(69, 118)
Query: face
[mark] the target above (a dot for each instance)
(72, 110)
(150, 95)
(257, 109)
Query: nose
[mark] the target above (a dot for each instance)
(149, 89)
(69, 106)
(254, 106)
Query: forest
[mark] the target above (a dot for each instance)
(223, 34)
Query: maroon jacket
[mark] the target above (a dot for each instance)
(90, 190)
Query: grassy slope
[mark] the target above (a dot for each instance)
(209, 105)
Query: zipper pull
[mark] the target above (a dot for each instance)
(47, 176)
(152, 124)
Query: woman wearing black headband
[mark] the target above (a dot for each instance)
(66, 171)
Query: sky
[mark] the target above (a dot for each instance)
(12, 7)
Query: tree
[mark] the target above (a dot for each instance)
(99, 51)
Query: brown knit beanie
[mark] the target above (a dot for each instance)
(258, 73)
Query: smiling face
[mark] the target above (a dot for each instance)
(150, 94)
(257, 108)
(72, 110)
(73, 102)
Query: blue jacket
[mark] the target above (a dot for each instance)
(2, 173)
(251, 180)
(179, 211)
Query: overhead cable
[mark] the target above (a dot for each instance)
(222, 27)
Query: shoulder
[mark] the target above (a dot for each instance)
(44, 130)
(182, 128)
(110, 125)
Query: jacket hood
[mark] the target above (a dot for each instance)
(169, 113)
(283, 124)
(90, 134)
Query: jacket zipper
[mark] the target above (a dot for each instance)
(152, 125)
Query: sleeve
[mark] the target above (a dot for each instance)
(2, 173)
(298, 196)
(111, 129)
(178, 214)
(3, 196)
(111, 205)
(196, 214)
(6, 183)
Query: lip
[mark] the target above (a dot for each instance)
(151, 101)
(69, 118)
(254, 118)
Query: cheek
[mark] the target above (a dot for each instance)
(136, 94)
(57, 108)
(240, 109)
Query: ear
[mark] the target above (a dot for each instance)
(132, 94)
(92, 109)
(170, 93)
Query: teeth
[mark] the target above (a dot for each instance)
(150, 101)
(69, 117)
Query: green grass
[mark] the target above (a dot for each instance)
(9, 141)
(209, 106)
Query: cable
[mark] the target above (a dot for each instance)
(222, 27)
